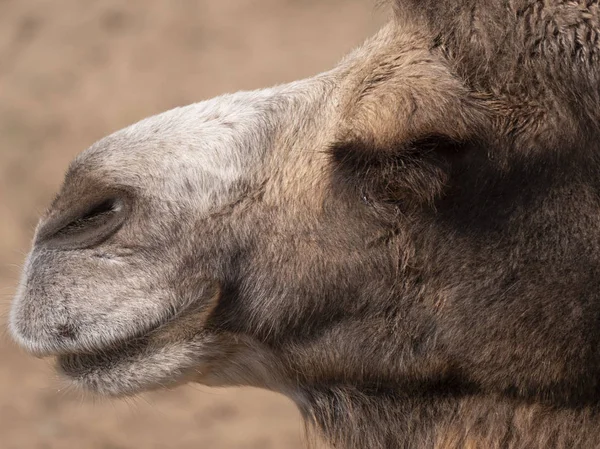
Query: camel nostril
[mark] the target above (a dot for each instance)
(92, 216)
(84, 227)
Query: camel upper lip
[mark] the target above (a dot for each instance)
(69, 347)
(72, 344)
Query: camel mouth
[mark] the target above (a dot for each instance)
(137, 365)
(163, 355)
(68, 339)
(116, 346)
(85, 367)
(76, 364)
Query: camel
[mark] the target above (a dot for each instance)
(407, 245)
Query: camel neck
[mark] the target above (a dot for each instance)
(352, 419)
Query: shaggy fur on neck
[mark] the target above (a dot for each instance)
(353, 418)
(536, 66)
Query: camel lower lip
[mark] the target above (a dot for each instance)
(104, 359)
(137, 365)
(78, 362)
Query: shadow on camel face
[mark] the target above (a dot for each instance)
(206, 242)
(401, 226)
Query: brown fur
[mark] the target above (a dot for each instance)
(411, 253)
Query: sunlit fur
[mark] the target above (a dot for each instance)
(408, 245)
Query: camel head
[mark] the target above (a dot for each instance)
(403, 226)
(197, 244)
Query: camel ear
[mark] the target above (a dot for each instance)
(404, 124)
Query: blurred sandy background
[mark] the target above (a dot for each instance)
(72, 71)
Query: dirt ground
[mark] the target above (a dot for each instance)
(72, 71)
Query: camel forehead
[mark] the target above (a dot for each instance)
(212, 143)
